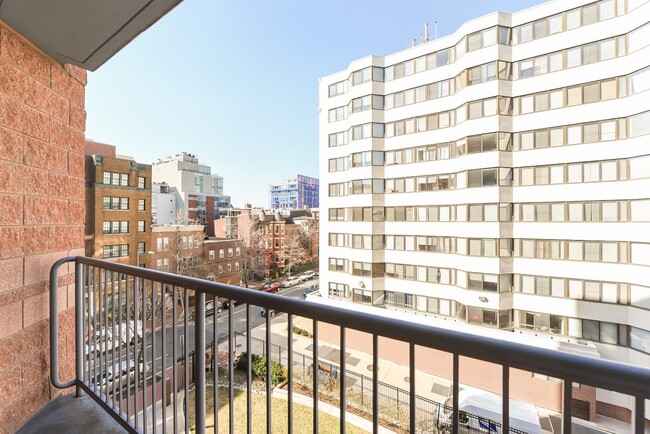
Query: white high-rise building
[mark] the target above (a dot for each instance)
(498, 179)
(199, 193)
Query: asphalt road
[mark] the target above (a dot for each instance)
(154, 348)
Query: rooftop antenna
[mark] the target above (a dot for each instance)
(435, 30)
(414, 42)
(426, 32)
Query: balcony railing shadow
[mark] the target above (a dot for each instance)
(147, 365)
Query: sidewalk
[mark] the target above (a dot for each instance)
(427, 386)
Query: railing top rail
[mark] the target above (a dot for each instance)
(629, 379)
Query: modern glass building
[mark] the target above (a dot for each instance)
(294, 193)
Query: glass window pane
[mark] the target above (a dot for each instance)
(555, 61)
(573, 57)
(573, 19)
(607, 49)
(555, 24)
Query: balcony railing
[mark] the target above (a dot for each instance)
(140, 349)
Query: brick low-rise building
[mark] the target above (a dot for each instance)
(184, 249)
(118, 206)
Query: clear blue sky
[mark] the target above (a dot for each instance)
(236, 82)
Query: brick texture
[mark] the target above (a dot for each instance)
(42, 124)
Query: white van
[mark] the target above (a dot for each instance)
(481, 411)
(103, 340)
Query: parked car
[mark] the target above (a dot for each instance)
(310, 290)
(113, 337)
(290, 281)
(307, 275)
(119, 374)
(271, 313)
(270, 287)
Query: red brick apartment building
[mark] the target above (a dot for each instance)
(184, 249)
(118, 206)
(273, 229)
(42, 197)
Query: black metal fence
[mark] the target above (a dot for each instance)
(394, 402)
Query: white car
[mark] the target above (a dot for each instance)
(104, 340)
(290, 281)
(123, 373)
(307, 275)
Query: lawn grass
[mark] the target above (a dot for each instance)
(302, 416)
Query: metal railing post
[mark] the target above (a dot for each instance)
(78, 324)
(54, 326)
(199, 362)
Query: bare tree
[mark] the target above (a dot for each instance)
(295, 252)
(253, 254)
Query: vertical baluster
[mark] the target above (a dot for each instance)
(129, 337)
(143, 354)
(186, 351)
(79, 323)
(199, 362)
(120, 386)
(215, 358)
(315, 374)
(375, 381)
(154, 376)
(175, 355)
(639, 412)
(268, 371)
(342, 381)
(566, 406)
(505, 403)
(412, 408)
(136, 339)
(231, 371)
(456, 388)
(114, 340)
(163, 353)
(290, 374)
(104, 331)
(249, 375)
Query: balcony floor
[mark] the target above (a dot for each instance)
(67, 414)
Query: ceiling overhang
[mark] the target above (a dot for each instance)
(85, 33)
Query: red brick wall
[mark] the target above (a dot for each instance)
(209, 215)
(614, 411)
(104, 149)
(42, 124)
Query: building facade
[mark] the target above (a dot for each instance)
(294, 193)
(118, 206)
(199, 193)
(497, 180)
(163, 204)
(271, 235)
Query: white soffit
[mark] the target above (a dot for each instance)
(85, 33)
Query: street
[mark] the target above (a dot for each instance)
(153, 348)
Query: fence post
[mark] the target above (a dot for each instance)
(362, 392)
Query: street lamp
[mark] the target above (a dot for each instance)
(137, 257)
(137, 264)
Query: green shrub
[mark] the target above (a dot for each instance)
(299, 331)
(258, 368)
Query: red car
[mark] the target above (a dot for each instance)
(270, 287)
